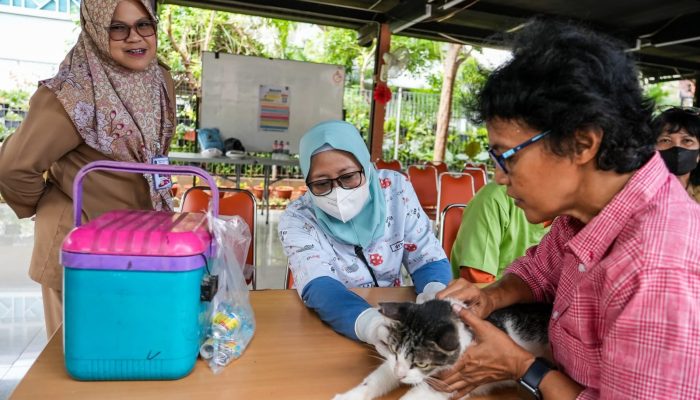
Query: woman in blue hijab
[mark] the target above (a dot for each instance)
(355, 227)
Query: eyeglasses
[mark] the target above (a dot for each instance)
(144, 28)
(500, 159)
(323, 187)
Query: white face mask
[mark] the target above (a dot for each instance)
(343, 204)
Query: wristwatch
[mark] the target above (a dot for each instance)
(533, 376)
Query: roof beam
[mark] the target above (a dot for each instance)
(667, 62)
(290, 9)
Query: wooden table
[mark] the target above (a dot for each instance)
(293, 355)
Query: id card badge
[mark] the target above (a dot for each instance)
(161, 182)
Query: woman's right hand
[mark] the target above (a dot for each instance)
(478, 301)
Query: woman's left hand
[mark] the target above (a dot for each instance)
(492, 356)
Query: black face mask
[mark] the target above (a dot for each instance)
(680, 161)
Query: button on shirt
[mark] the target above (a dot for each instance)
(626, 291)
(408, 240)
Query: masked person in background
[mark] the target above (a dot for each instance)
(678, 142)
(355, 227)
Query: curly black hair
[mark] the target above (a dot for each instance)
(673, 120)
(563, 78)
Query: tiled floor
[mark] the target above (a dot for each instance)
(22, 335)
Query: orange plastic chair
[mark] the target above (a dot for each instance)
(455, 188)
(479, 175)
(451, 218)
(424, 181)
(481, 166)
(288, 278)
(439, 165)
(394, 165)
(234, 202)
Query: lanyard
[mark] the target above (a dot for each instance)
(361, 256)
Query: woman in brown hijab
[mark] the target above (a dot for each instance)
(110, 100)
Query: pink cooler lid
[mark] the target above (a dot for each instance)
(141, 233)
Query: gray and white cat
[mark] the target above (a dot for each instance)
(424, 339)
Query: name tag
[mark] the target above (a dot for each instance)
(161, 182)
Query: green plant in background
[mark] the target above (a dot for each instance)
(13, 108)
(3, 132)
(13, 116)
(14, 99)
(356, 106)
(276, 202)
(179, 143)
(658, 93)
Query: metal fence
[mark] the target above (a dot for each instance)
(10, 118)
(410, 124)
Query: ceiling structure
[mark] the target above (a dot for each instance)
(664, 35)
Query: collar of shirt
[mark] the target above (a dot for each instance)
(593, 240)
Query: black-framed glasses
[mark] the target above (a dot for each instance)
(120, 31)
(323, 187)
(500, 159)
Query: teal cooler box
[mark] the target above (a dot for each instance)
(133, 308)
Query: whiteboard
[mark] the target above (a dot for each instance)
(232, 99)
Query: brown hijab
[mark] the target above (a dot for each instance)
(124, 114)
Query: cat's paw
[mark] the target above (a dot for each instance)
(354, 394)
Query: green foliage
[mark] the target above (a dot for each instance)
(339, 47)
(186, 32)
(470, 80)
(657, 93)
(424, 54)
(285, 49)
(13, 107)
(356, 103)
(15, 99)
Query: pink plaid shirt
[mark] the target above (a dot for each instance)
(626, 291)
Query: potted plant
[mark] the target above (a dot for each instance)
(282, 192)
(258, 192)
(12, 121)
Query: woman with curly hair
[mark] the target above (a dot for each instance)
(569, 131)
(110, 100)
(678, 142)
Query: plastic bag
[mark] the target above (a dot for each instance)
(210, 138)
(231, 319)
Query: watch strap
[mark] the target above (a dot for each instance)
(533, 376)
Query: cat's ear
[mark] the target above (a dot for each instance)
(447, 338)
(395, 311)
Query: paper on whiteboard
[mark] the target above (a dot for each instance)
(274, 108)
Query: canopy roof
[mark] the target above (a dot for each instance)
(664, 34)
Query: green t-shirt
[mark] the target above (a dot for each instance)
(493, 233)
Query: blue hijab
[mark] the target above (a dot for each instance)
(368, 225)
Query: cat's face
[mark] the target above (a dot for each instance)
(422, 340)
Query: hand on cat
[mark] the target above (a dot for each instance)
(429, 292)
(493, 356)
(370, 326)
(478, 301)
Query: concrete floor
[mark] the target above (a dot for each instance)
(22, 334)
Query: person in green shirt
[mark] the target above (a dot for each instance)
(494, 232)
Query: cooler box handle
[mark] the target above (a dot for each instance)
(119, 166)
